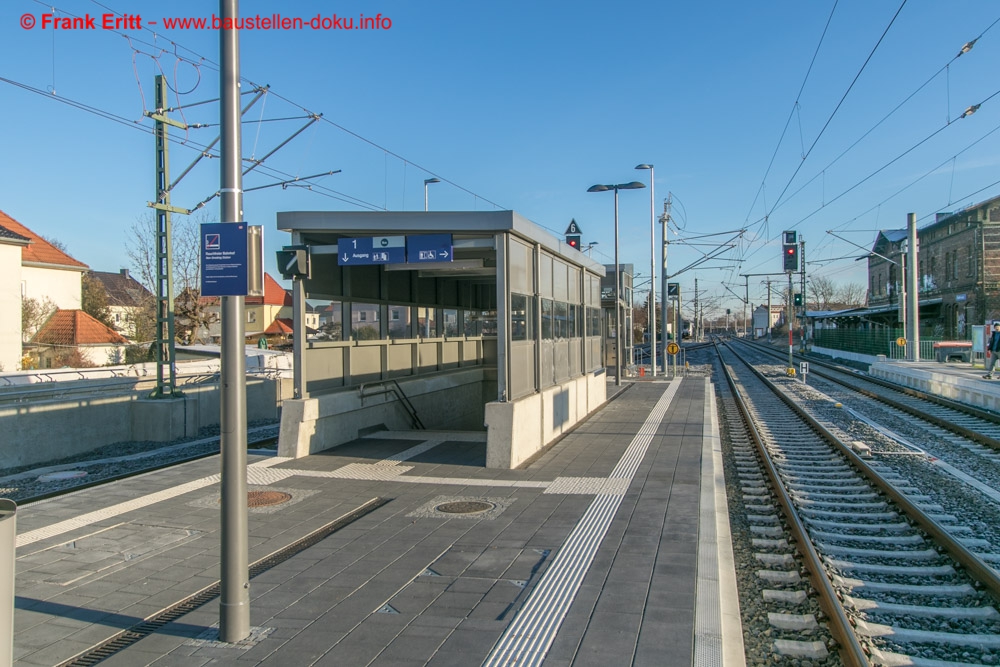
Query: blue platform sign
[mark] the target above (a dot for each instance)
(428, 248)
(371, 250)
(224, 259)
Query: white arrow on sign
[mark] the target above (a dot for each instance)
(346, 257)
(444, 253)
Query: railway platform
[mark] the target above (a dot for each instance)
(961, 382)
(402, 548)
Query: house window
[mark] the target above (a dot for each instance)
(364, 319)
(251, 316)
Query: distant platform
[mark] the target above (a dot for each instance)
(961, 382)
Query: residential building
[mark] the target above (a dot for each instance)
(127, 299)
(11, 245)
(260, 311)
(46, 271)
(761, 321)
(31, 268)
(958, 272)
(74, 338)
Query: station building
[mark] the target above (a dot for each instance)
(460, 321)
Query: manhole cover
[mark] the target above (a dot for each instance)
(266, 498)
(62, 474)
(465, 507)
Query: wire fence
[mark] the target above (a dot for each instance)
(883, 341)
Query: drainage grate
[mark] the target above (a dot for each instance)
(267, 498)
(465, 507)
(139, 631)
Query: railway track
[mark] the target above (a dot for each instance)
(982, 426)
(897, 580)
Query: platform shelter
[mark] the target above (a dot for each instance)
(466, 321)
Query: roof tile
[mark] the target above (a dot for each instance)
(39, 250)
(75, 327)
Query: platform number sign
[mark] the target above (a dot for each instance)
(573, 235)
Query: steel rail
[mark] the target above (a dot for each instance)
(851, 651)
(970, 410)
(974, 565)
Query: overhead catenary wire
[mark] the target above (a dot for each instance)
(965, 49)
(836, 109)
(798, 96)
(203, 60)
(967, 113)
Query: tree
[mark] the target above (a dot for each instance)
(852, 295)
(192, 313)
(34, 313)
(57, 244)
(94, 300)
(823, 291)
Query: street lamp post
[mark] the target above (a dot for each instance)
(428, 181)
(634, 185)
(652, 270)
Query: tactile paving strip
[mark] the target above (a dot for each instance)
(530, 635)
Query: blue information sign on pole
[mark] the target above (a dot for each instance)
(224, 259)
(371, 250)
(428, 248)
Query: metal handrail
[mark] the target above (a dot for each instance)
(396, 391)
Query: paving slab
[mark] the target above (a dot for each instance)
(398, 586)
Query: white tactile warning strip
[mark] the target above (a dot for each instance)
(530, 635)
(89, 518)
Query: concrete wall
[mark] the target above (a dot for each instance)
(63, 286)
(42, 431)
(518, 430)
(841, 354)
(451, 400)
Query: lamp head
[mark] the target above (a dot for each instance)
(431, 180)
(634, 185)
(598, 188)
(644, 166)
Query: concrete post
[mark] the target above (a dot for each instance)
(8, 535)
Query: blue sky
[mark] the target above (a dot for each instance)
(526, 105)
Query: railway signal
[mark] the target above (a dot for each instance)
(790, 251)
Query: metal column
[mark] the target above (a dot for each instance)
(8, 542)
(166, 379)
(913, 295)
(234, 608)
